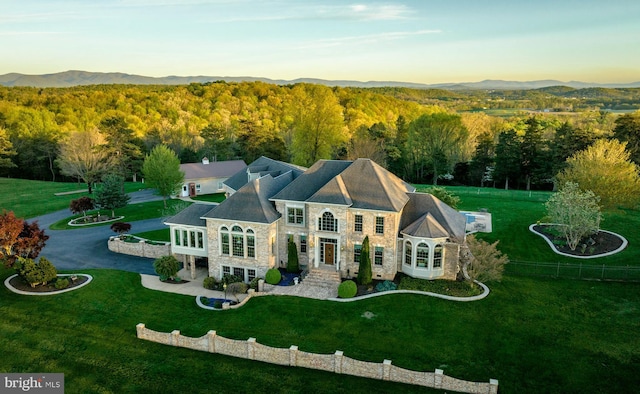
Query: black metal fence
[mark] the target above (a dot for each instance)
(575, 271)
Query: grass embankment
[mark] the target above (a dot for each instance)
(28, 199)
(534, 335)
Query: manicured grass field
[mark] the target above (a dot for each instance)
(28, 199)
(131, 213)
(156, 235)
(534, 335)
(217, 197)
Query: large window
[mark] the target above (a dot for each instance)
(357, 227)
(224, 240)
(378, 255)
(189, 238)
(408, 253)
(327, 222)
(247, 274)
(437, 256)
(295, 215)
(251, 244)
(357, 250)
(237, 242)
(422, 255)
(379, 225)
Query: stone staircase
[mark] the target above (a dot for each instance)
(322, 278)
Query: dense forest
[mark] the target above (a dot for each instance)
(425, 136)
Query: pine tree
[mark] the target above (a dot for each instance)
(111, 194)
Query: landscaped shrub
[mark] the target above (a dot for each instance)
(120, 227)
(61, 283)
(82, 204)
(227, 279)
(254, 283)
(292, 258)
(166, 267)
(34, 273)
(347, 289)
(364, 270)
(387, 285)
(237, 288)
(273, 276)
(210, 283)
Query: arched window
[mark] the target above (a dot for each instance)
(224, 240)
(327, 222)
(251, 244)
(422, 255)
(408, 252)
(237, 241)
(437, 256)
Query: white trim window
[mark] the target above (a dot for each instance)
(357, 251)
(237, 242)
(327, 222)
(295, 216)
(247, 274)
(378, 255)
(437, 256)
(422, 255)
(357, 223)
(188, 238)
(379, 224)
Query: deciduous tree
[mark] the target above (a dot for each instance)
(486, 262)
(82, 204)
(81, 157)
(161, 169)
(605, 169)
(576, 212)
(19, 238)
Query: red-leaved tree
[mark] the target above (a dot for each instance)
(19, 238)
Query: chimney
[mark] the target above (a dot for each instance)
(205, 161)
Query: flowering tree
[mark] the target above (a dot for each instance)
(576, 212)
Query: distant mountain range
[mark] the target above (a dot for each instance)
(75, 78)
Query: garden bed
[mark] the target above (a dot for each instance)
(438, 286)
(90, 220)
(288, 277)
(600, 244)
(19, 284)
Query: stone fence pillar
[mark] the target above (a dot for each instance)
(211, 341)
(293, 356)
(337, 361)
(437, 378)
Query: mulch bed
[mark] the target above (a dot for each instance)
(370, 289)
(20, 284)
(175, 282)
(600, 243)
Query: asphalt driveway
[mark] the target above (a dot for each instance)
(85, 248)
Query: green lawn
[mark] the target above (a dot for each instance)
(534, 335)
(217, 197)
(28, 199)
(131, 213)
(156, 235)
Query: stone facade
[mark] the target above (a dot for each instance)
(265, 240)
(140, 249)
(336, 362)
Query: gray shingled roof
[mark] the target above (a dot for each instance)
(191, 216)
(360, 184)
(264, 166)
(215, 169)
(427, 216)
(251, 203)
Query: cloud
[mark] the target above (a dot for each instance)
(378, 12)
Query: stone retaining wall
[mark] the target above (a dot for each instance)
(337, 362)
(140, 249)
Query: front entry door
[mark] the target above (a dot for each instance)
(192, 189)
(328, 251)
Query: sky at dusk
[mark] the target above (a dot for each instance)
(425, 41)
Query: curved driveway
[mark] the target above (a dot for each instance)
(83, 248)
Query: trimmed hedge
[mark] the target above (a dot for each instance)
(347, 289)
(273, 276)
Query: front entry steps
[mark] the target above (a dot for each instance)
(323, 278)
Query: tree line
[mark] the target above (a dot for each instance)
(57, 133)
